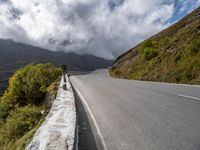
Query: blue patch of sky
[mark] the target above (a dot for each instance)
(178, 14)
(178, 4)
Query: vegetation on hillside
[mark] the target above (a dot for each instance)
(172, 55)
(22, 103)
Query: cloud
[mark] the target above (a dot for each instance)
(103, 28)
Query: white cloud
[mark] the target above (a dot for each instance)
(104, 28)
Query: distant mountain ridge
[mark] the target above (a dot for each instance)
(16, 55)
(23, 53)
(173, 55)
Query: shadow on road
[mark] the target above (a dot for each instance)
(84, 136)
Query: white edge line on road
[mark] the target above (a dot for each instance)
(95, 123)
(77, 138)
(166, 83)
(178, 84)
(191, 97)
(108, 74)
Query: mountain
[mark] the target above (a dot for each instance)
(16, 55)
(19, 54)
(173, 55)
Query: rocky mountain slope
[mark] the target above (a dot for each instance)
(173, 55)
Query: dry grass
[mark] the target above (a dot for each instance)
(172, 55)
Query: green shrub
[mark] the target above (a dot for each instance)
(150, 44)
(21, 103)
(194, 46)
(164, 41)
(149, 53)
(20, 121)
(6, 104)
(147, 50)
(29, 84)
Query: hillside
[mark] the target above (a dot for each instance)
(16, 55)
(173, 55)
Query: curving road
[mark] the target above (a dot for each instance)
(137, 115)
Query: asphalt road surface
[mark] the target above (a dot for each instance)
(137, 115)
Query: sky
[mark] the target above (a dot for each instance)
(104, 28)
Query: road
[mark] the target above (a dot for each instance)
(137, 115)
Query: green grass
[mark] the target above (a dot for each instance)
(172, 55)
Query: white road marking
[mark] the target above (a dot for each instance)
(95, 123)
(165, 83)
(108, 74)
(191, 97)
(178, 84)
(77, 138)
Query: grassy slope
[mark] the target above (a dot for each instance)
(172, 55)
